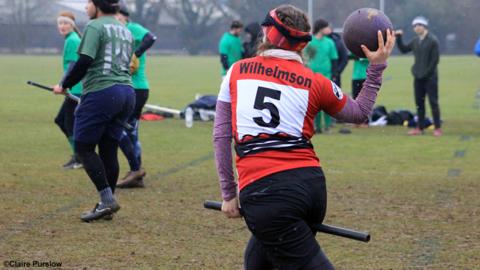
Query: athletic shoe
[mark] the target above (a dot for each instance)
(134, 183)
(415, 132)
(101, 210)
(70, 164)
(77, 165)
(73, 163)
(437, 132)
(133, 179)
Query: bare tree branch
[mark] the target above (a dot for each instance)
(197, 21)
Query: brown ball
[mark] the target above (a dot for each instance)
(361, 27)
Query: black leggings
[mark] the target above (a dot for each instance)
(103, 168)
(257, 259)
(129, 143)
(280, 211)
(427, 87)
(65, 117)
(141, 97)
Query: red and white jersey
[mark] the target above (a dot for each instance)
(274, 102)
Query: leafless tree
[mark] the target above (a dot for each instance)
(197, 21)
(147, 12)
(255, 11)
(21, 17)
(200, 22)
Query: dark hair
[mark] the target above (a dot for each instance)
(124, 9)
(292, 17)
(236, 25)
(107, 6)
(319, 25)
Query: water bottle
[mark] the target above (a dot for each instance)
(188, 117)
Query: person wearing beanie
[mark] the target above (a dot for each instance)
(230, 46)
(267, 104)
(426, 52)
(322, 57)
(107, 100)
(129, 143)
(65, 117)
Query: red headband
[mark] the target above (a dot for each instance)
(283, 36)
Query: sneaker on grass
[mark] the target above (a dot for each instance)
(73, 163)
(133, 179)
(415, 132)
(70, 163)
(101, 210)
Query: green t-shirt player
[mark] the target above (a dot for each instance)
(107, 100)
(230, 46)
(322, 58)
(65, 117)
(359, 74)
(129, 143)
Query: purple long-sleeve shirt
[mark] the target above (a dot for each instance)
(354, 111)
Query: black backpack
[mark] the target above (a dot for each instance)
(399, 117)
(378, 112)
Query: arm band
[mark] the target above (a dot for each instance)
(224, 61)
(77, 72)
(147, 42)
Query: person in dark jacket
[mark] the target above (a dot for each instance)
(341, 51)
(342, 56)
(426, 52)
(253, 37)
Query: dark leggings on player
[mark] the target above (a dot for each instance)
(65, 117)
(141, 97)
(102, 168)
(423, 88)
(129, 141)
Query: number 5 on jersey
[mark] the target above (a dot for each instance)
(261, 104)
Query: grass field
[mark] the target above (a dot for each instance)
(418, 197)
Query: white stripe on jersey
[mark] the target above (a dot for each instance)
(224, 94)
